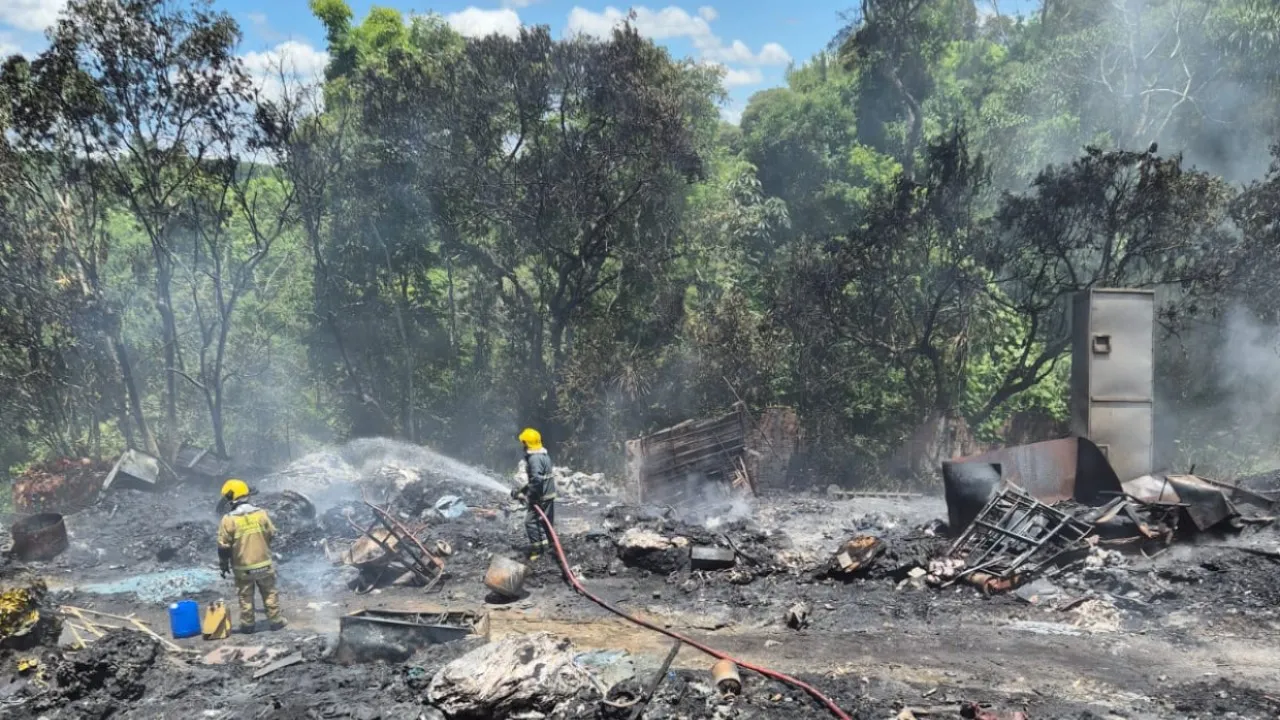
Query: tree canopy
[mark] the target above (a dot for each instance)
(445, 239)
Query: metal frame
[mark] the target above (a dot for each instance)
(407, 548)
(1016, 534)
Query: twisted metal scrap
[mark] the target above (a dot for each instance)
(406, 540)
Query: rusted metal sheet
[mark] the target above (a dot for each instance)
(1072, 468)
(201, 461)
(734, 449)
(709, 450)
(134, 469)
(1151, 489)
(1204, 503)
(1235, 492)
(968, 486)
(394, 635)
(772, 441)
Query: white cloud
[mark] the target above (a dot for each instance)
(736, 52)
(732, 113)
(290, 61)
(517, 4)
(585, 22)
(476, 22)
(673, 22)
(739, 52)
(738, 78)
(773, 54)
(664, 24)
(30, 15)
(735, 77)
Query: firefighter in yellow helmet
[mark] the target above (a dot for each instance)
(539, 490)
(244, 549)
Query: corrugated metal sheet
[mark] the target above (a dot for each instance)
(709, 449)
(730, 448)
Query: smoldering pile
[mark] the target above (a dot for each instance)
(661, 541)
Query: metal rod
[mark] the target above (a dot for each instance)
(657, 680)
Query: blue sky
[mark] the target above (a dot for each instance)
(754, 40)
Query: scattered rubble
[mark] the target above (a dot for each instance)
(518, 674)
(798, 616)
(646, 549)
(112, 670)
(855, 574)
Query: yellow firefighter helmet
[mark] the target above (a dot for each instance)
(234, 489)
(531, 438)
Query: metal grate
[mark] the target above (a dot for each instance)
(1017, 534)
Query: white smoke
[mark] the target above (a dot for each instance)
(1249, 368)
(699, 501)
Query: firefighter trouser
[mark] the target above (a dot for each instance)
(538, 540)
(264, 579)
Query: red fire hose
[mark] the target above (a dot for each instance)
(581, 590)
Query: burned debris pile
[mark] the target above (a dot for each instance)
(113, 669)
(1014, 536)
(659, 541)
(63, 484)
(515, 675)
(768, 566)
(1078, 518)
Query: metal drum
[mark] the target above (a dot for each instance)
(39, 537)
(505, 576)
(726, 677)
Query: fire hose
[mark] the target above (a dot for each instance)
(719, 655)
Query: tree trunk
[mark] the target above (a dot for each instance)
(410, 432)
(215, 417)
(169, 330)
(121, 353)
(915, 135)
(126, 427)
(453, 315)
(559, 326)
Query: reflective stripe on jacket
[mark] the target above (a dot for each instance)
(542, 483)
(247, 532)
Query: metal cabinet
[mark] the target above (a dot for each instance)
(1113, 377)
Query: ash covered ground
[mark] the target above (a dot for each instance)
(1189, 631)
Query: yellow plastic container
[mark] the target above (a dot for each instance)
(217, 622)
